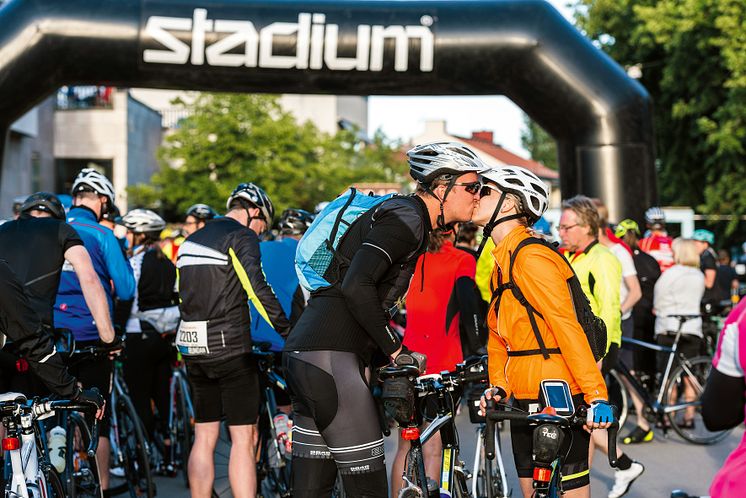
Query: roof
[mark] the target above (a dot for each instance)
(509, 158)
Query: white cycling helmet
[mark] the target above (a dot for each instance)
(433, 160)
(533, 192)
(91, 180)
(655, 216)
(256, 196)
(142, 221)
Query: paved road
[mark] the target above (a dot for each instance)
(670, 463)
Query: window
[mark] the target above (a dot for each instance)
(68, 169)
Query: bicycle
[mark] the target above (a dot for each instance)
(180, 420)
(31, 474)
(129, 446)
(665, 405)
(440, 386)
(273, 449)
(550, 428)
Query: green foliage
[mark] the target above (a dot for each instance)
(234, 138)
(694, 65)
(539, 143)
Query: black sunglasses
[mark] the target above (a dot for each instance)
(486, 189)
(471, 187)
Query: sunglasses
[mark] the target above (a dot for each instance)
(471, 187)
(486, 189)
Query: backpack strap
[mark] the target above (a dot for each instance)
(530, 310)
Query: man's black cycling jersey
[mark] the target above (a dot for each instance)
(219, 271)
(382, 246)
(35, 249)
(21, 324)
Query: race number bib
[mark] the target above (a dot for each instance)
(191, 339)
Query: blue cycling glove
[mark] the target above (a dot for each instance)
(600, 412)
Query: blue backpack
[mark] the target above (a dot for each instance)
(317, 250)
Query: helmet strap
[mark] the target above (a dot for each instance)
(487, 230)
(441, 220)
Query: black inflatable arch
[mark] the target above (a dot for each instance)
(523, 49)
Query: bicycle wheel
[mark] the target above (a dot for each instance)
(133, 449)
(489, 479)
(221, 486)
(184, 429)
(618, 395)
(81, 472)
(338, 491)
(687, 421)
(54, 484)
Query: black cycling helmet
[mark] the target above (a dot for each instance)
(111, 213)
(254, 195)
(295, 221)
(44, 201)
(201, 212)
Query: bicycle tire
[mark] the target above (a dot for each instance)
(221, 486)
(338, 491)
(134, 448)
(81, 476)
(618, 395)
(698, 434)
(489, 479)
(184, 421)
(54, 484)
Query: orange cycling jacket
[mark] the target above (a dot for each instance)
(542, 276)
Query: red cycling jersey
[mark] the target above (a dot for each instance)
(660, 247)
(433, 311)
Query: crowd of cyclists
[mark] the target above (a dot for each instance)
(411, 285)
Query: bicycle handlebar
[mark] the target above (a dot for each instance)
(578, 419)
(44, 407)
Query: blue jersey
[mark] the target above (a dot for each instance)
(278, 263)
(70, 309)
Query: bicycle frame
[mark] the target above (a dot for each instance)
(478, 457)
(656, 403)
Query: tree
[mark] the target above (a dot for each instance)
(539, 143)
(694, 65)
(234, 138)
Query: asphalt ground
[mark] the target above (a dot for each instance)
(670, 463)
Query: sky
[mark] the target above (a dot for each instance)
(404, 117)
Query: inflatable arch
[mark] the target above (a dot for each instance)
(523, 49)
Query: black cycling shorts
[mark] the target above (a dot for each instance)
(689, 346)
(611, 359)
(575, 471)
(96, 372)
(228, 388)
(335, 415)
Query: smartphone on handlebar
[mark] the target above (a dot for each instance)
(556, 393)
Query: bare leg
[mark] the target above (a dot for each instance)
(431, 453)
(103, 454)
(242, 465)
(638, 404)
(201, 459)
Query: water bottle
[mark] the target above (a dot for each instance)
(57, 443)
(282, 432)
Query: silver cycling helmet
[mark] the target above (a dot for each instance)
(655, 216)
(533, 192)
(255, 196)
(91, 180)
(142, 221)
(433, 160)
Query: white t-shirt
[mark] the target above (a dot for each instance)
(678, 291)
(628, 270)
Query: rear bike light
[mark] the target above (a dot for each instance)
(542, 474)
(11, 443)
(410, 433)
